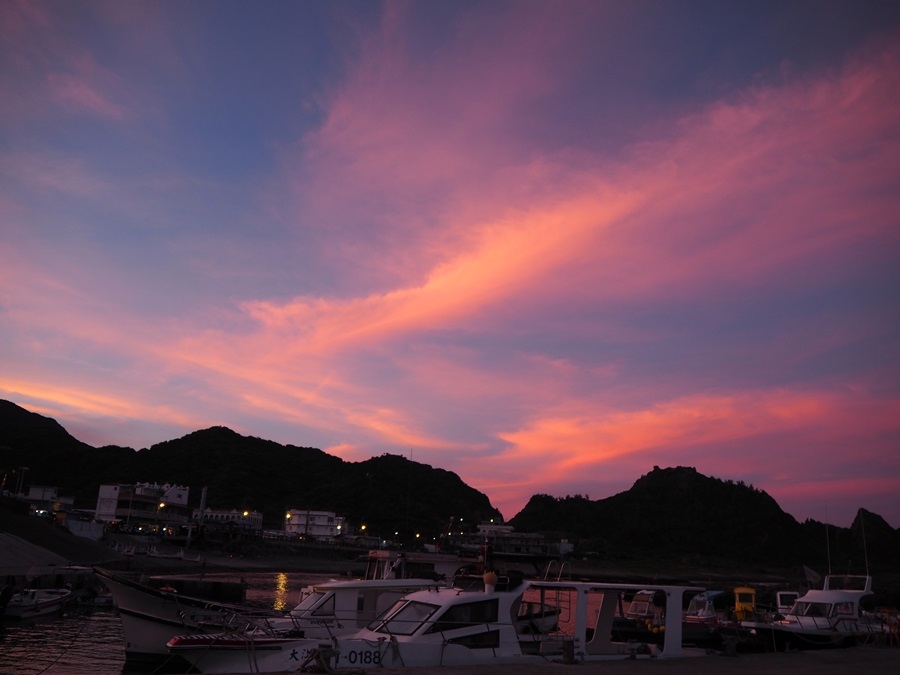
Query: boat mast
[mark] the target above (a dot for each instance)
(862, 522)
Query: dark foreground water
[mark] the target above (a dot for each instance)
(89, 642)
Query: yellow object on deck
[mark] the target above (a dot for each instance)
(744, 602)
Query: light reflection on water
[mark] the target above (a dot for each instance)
(281, 592)
(89, 643)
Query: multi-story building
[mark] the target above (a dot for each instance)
(318, 525)
(248, 520)
(144, 506)
(504, 539)
(46, 499)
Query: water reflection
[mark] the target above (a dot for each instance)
(281, 591)
(89, 644)
(93, 643)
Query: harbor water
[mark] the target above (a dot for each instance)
(88, 641)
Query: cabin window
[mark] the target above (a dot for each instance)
(814, 609)
(468, 614)
(405, 619)
(845, 608)
(487, 640)
(326, 608)
(309, 601)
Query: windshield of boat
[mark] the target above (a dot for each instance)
(466, 614)
(699, 604)
(641, 605)
(814, 609)
(403, 618)
(313, 605)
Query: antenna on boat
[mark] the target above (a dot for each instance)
(862, 522)
(827, 544)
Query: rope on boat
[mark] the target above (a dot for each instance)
(319, 661)
(69, 646)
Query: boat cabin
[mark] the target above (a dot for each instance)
(388, 564)
(353, 604)
(744, 602)
(784, 600)
(707, 606)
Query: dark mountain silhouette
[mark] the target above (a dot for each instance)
(677, 510)
(388, 493)
(701, 520)
(672, 513)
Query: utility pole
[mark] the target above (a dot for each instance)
(22, 470)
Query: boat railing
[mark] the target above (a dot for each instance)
(888, 623)
(852, 624)
(841, 624)
(227, 620)
(561, 568)
(559, 599)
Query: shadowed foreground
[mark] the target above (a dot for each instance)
(869, 660)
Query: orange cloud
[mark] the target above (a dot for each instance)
(553, 450)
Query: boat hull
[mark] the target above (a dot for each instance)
(150, 617)
(35, 604)
(237, 654)
(772, 637)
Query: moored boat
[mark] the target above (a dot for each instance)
(150, 616)
(325, 611)
(449, 627)
(33, 603)
(821, 618)
(478, 621)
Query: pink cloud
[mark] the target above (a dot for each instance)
(782, 166)
(74, 91)
(654, 228)
(65, 174)
(51, 68)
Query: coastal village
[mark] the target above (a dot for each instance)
(163, 512)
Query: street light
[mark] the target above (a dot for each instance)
(161, 506)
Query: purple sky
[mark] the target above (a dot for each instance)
(545, 245)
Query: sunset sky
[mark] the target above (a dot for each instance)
(544, 245)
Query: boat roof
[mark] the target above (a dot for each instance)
(363, 584)
(604, 586)
(708, 595)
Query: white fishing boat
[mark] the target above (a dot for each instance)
(830, 617)
(33, 603)
(150, 616)
(326, 610)
(476, 621)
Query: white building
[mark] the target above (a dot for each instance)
(318, 525)
(143, 504)
(250, 520)
(47, 498)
